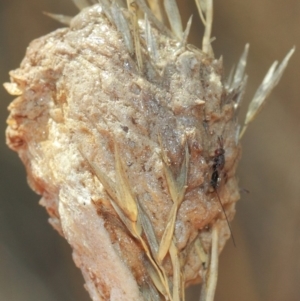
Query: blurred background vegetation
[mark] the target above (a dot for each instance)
(36, 263)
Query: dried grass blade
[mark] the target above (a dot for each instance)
(122, 26)
(176, 272)
(107, 183)
(110, 188)
(186, 32)
(127, 201)
(152, 18)
(148, 230)
(136, 34)
(168, 235)
(134, 228)
(65, 20)
(174, 17)
(200, 11)
(105, 4)
(177, 186)
(237, 134)
(171, 181)
(150, 40)
(240, 69)
(269, 83)
(241, 92)
(157, 280)
(161, 274)
(81, 4)
(229, 80)
(156, 8)
(158, 270)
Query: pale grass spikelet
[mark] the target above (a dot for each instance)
(174, 17)
(270, 81)
(121, 128)
(152, 18)
(239, 75)
(65, 20)
(186, 32)
(122, 25)
(156, 8)
(237, 79)
(150, 40)
(132, 6)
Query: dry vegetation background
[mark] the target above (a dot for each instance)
(35, 263)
